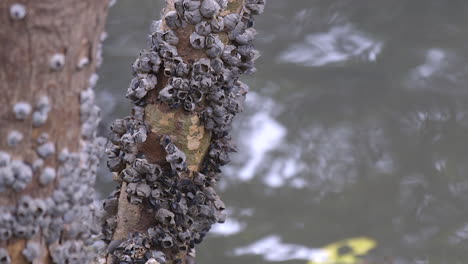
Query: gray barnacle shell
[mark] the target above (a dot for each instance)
(169, 68)
(22, 110)
(191, 5)
(188, 106)
(142, 65)
(230, 55)
(202, 66)
(144, 167)
(230, 21)
(177, 160)
(196, 95)
(4, 256)
(171, 37)
(206, 83)
(209, 8)
(165, 217)
(237, 30)
(182, 95)
(128, 143)
(218, 204)
(17, 11)
(217, 65)
(215, 50)
(172, 20)
(129, 175)
(7, 176)
(248, 52)
(182, 70)
(47, 176)
(130, 157)
(14, 138)
(246, 37)
(46, 150)
(140, 135)
(148, 82)
(179, 7)
(168, 51)
(193, 17)
(222, 3)
(203, 28)
(39, 118)
(119, 126)
(256, 8)
(143, 190)
(57, 61)
(22, 171)
(167, 93)
(5, 158)
(179, 83)
(197, 41)
(167, 241)
(43, 104)
(31, 251)
(217, 24)
(115, 164)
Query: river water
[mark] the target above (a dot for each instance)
(355, 128)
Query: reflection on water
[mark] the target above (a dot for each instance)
(356, 126)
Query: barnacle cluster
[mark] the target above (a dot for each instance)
(67, 217)
(183, 203)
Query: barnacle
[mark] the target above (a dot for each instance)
(172, 20)
(209, 8)
(197, 41)
(190, 5)
(22, 110)
(14, 138)
(46, 150)
(47, 176)
(31, 251)
(4, 256)
(17, 11)
(230, 21)
(57, 61)
(193, 17)
(203, 28)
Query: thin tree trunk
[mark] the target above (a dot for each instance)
(49, 51)
(166, 156)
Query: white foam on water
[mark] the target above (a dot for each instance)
(228, 228)
(272, 249)
(339, 44)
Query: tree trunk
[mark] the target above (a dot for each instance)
(166, 156)
(48, 150)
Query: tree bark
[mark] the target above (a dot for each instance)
(136, 230)
(49, 52)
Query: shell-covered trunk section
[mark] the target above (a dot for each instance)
(167, 155)
(49, 151)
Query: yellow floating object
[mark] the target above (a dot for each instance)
(346, 251)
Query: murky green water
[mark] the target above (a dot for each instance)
(356, 125)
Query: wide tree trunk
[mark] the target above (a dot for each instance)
(49, 51)
(166, 156)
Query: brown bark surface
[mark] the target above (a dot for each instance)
(26, 47)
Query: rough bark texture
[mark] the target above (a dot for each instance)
(69, 30)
